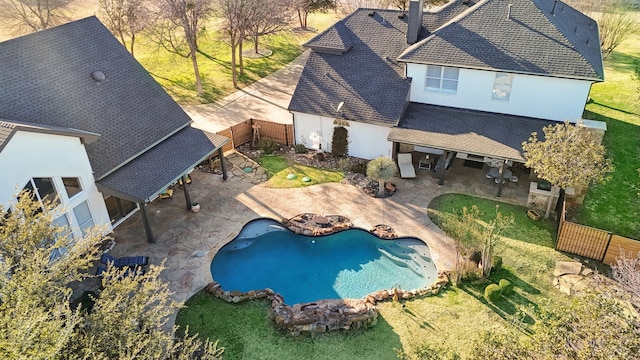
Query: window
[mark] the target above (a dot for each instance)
(66, 231)
(72, 186)
(502, 87)
(83, 216)
(442, 79)
(42, 189)
(118, 208)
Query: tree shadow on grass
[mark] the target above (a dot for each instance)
(509, 306)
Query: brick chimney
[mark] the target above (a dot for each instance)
(415, 20)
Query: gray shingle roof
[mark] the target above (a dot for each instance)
(467, 131)
(47, 79)
(532, 40)
(9, 128)
(366, 77)
(149, 174)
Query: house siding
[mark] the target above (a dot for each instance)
(29, 155)
(541, 97)
(365, 140)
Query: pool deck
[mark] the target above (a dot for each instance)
(226, 206)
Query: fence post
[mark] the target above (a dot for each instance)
(286, 135)
(606, 249)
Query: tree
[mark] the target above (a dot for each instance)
(34, 15)
(589, 326)
(271, 16)
(124, 18)
(381, 169)
(36, 316)
(615, 18)
(570, 155)
(304, 7)
(179, 23)
(626, 271)
(340, 141)
(237, 15)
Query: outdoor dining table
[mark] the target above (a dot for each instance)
(495, 172)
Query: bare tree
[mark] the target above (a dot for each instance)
(33, 15)
(616, 20)
(237, 16)
(627, 272)
(178, 24)
(271, 16)
(124, 18)
(305, 7)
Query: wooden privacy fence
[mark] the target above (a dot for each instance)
(242, 133)
(593, 243)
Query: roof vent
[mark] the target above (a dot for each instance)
(98, 76)
(509, 11)
(465, 2)
(401, 16)
(371, 13)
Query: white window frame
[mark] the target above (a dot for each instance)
(502, 87)
(445, 79)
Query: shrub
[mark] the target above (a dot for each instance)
(475, 257)
(340, 142)
(360, 168)
(300, 149)
(268, 146)
(506, 286)
(497, 263)
(492, 292)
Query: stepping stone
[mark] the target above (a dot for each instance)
(567, 267)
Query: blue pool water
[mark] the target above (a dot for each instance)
(348, 264)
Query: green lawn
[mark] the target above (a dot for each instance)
(614, 206)
(175, 73)
(448, 322)
(279, 170)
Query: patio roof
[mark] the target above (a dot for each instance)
(142, 179)
(467, 131)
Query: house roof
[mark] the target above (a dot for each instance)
(145, 177)
(9, 128)
(354, 62)
(539, 37)
(48, 79)
(467, 131)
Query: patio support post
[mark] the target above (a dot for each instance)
(501, 179)
(444, 165)
(187, 198)
(224, 169)
(145, 222)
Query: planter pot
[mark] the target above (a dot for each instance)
(533, 215)
(195, 207)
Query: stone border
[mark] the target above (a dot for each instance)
(332, 314)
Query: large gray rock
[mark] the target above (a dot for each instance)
(567, 267)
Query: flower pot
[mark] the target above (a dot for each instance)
(533, 215)
(195, 207)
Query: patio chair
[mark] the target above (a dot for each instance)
(405, 163)
(129, 271)
(130, 261)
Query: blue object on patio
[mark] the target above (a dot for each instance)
(124, 261)
(129, 271)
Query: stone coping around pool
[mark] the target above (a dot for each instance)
(326, 315)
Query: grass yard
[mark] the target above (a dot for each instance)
(449, 322)
(279, 168)
(614, 206)
(175, 73)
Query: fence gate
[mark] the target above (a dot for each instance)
(583, 240)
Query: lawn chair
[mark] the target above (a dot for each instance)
(405, 163)
(130, 271)
(130, 261)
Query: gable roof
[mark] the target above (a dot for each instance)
(9, 128)
(541, 37)
(47, 80)
(365, 76)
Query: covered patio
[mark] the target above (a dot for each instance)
(478, 149)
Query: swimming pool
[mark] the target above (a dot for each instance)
(347, 264)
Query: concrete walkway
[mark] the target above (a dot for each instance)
(266, 99)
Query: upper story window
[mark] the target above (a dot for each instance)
(442, 79)
(72, 186)
(502, 87)
(42, 188)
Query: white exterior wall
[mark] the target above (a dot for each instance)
(365, 141)
(535, 96)
(29, 155)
